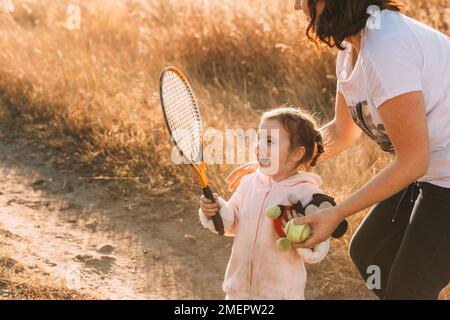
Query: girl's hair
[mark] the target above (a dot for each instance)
(342, 19)
(302, 132)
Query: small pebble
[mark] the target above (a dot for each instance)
(106, 249)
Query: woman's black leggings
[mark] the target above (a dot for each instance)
(408, 238)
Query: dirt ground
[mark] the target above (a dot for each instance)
(83, 234)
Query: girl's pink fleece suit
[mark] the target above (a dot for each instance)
(257, 269)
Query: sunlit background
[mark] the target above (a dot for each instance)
(81, 77)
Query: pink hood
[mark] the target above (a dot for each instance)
(295, 180)
(257, 269)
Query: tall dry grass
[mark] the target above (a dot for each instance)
(92, 93)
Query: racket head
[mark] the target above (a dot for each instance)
(183, 118)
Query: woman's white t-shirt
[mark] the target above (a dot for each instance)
(400, 55)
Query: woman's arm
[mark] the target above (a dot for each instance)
(341, 133)
(406, 123)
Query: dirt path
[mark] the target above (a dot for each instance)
(80, 233)
(84, 235)
(50, 238)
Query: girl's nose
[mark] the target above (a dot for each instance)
(297, 5)
(261, 148)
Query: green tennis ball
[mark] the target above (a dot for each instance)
(273, 212)
(297, 232)
(283, 244)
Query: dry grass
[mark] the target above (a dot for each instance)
(92, 93)
(16, 282)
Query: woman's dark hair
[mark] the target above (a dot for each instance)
(342, 19)
(302, 132)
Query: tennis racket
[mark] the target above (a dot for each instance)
(184, 121)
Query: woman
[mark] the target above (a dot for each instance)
(393, 85)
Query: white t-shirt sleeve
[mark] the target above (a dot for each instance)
(392, 67)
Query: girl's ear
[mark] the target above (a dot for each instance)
(298, 154)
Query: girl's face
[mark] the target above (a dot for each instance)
(273, 151)
(303, 6)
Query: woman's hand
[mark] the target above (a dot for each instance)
(209, 209)
(323, 225)
(235, 177)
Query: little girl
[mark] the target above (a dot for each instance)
(287, 141)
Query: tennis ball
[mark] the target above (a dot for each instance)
(283, 244)
(297, 232)
(273, 212)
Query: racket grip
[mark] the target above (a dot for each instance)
(217, 219)
(340, 230)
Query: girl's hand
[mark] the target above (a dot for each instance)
(235, 177)
(323, 224)
(209, 209)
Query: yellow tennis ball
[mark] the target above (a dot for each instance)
(297, 232)
(283, 244)
(273, 212)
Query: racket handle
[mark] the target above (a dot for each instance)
(217, 219)
(340, 230)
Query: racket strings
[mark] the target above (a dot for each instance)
(183, 115)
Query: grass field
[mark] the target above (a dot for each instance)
(92, 93)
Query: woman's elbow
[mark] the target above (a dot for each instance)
(424, 167)
(422, 164)
(417, 167)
